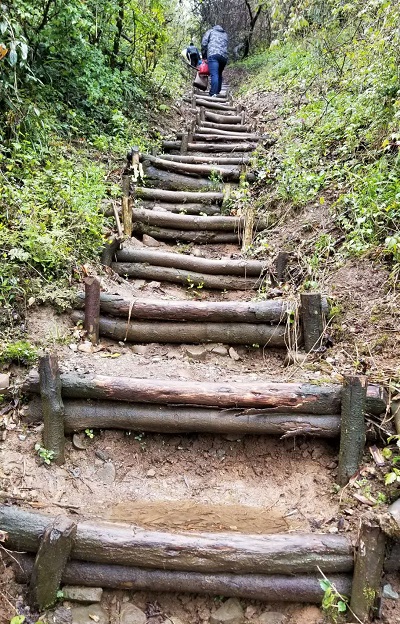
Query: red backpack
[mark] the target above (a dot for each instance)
(203, 68)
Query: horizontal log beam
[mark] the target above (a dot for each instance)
(178, 196)
(227, 173)
(223, 119)
(212, 147)
(226, 126)
(193, 333)
(215, 105)
(185, 277)
(184, 208)
(187, 222)
(105, 542)
(245, 268)
(186, 236)
(301, 588)
(81, 414)
(159, 178)
(208, 134)
(212, 160)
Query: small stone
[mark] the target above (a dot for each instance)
(196, 353)
(232, 437)
(134, 242)
(154, 284)
(173, 620)
(80, 441)
(60, 615)
(317, 453)
(151, 473)
(93, 614)
(86, 347)
(130, 614)
(106, 474)
(75, 593)
(73, 347)
(234, 354)
(198, 253)
(4, 381)
(139, 284)
(389, 592)
(102, 455)
(149, 241)
(271, 617)
(230, 612)
(139, 349)
(220, 350)
(333, 529)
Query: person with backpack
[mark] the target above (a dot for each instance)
(192, 54)
(214, 48)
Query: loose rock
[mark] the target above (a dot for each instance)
(60, 615)
(234, 354)
(272, 617)
(220, 350)
(75, 593)
(93, 614)
(139, 349)
(230, 612)
(173, 620)
(106, 474)
(196, 353)
(80, 442)
(149, 241)
(4, 381)
(389, 592)
(151, 473)
(130, 614)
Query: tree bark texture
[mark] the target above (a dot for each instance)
(83, 414)
(193, 333)
(226, 126)
(109, 249)
(226, 172)
(224, 138)
(186, 208)
(232, 148)
(312, 318)
(187, 236)
(219, 118)
(126, 205)
(187, 222)
(211, 160)
(300, 588)
(52, 405)
(213, 105)
(352, 437)
(53, 553)
(251, 268)
(185, 277)
(106, 542)
(92, 308)
(179, 196)
(368, 570)
(214, 132)
(177, 182)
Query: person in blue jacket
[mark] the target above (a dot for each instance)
(192, 54)
(214, 48)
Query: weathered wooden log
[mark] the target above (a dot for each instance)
(187, 236)
(312, 319)
(176, 332)
(226, 126)
(352, 437)
(105, 542)
(211, 98)
(300, 588)
(208, 134)
(126, 205)
(179, 196)
(83, 414)
(212, 160)
(92, 308)
(213, 105)
(187, 222)
(280, 264)
(109, 249)
(230, 173)
(185, 277)
(232, 148)
(53, 553)
(187, 208)
(245, 268)
(219, 118)
(368, 570)
(158, 178)
(52, 405)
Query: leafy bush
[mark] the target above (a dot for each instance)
(19, 352)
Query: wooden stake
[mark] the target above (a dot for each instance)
(312, 320)
(368, 570)
(184, 143)
(109, 249)
(243, 116)
(352, 436)
(126, 205)
(92, 308)
(281, 262)
(52, 556)
(202, 113)
(52, 405)
(190, 131)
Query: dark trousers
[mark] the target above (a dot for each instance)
(194, 59)
(216, 65)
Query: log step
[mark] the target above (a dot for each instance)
(232, 148)
(179, 196)
(187, 222)
(185, 236)
(183, 208)
(225, 172)
(207, 160)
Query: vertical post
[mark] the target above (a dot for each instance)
(368, 569)
(184, 143)
(239, 109)
(126, 205)
(352, 431)
(54, 551)
(92, 308)
(202, 113)
(313, 320)
(52, 406)
(198, 119)
(109, 249)
(243, 116)
(281, 262)
(190, 131)
(193, 100)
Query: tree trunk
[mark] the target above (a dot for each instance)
(226, 126)
(179, 196)
(226, 173)
(219, 118)
(187, 222)
(83, 414)
(53, 553)
(212, 160)
(105, 542)
(352, 437)
(176, 181)
(279, 398)
(185, 277)
(52, 405)
(245, 268)
(233, 148)
(184, 208)
(187, 236)
(300, 588)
